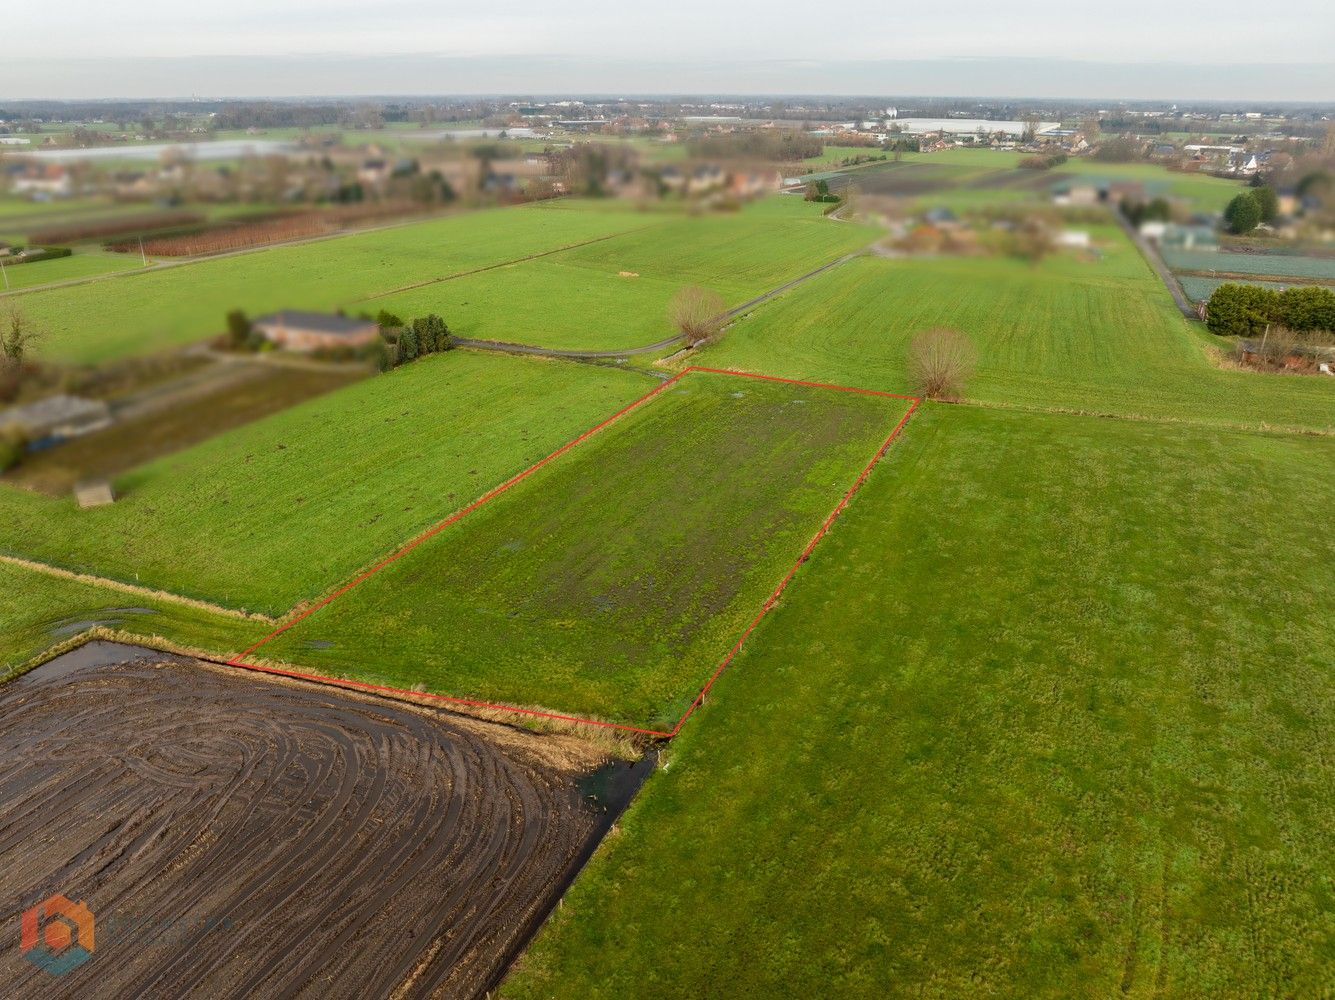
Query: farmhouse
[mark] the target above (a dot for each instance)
(312, 331)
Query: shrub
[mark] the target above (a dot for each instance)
(1243, 214)
(1267, 202)
(697, 313)
(1043, 162)
(432, 334)
(238, 328)
(1306, 308)
(1031, 240)
(381, 354)
(940, 361)
(33, 254)
(407, 345)
(387, 320)
(11, 448)
(1241, 310)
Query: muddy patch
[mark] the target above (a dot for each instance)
(63, 628)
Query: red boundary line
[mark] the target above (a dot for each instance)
(237, 661)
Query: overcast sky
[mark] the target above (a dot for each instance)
(1229, 49)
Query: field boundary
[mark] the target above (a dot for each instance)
(239, 660)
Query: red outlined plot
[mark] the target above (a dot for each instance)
(239, 659)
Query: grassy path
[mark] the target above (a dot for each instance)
(131, 588)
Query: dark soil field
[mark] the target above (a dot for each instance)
(236, 836)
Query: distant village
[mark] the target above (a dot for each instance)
(292, 154)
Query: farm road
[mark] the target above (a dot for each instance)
(1151, 254)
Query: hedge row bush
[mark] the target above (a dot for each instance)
(1246, 310)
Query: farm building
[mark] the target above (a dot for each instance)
(56, 418)
(312, 331)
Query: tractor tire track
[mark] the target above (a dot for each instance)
(237, 836)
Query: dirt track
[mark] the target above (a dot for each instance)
(241, 837)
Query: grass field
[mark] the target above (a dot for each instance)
(832, 155)
(1046, 714)
(1098, 337)
(715, 486)
(38, 610)
(158, 309)
(581, 299)
(566, 300)
(1050, 717)
(275, 511)
(957, 176)
(79, 265)
(1201, 192)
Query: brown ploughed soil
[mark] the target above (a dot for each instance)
(236, 836)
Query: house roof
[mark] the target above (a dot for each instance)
(318, 322)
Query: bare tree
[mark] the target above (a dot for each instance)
(940, 361)
(16, 338)
(1278, 344)
(698, 313)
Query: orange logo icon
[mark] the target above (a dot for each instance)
(57, 934)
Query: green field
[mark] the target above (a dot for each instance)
(79, 265)
(1046, 714)
(38, 610)
(164, 308)
(1100, 337)
(1049, 717)
(1201, 192)
(278, 510)
(973, 178)
(580, 299)
(573, 299)
(718, 482)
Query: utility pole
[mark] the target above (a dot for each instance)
(4, 274)
(142, 256)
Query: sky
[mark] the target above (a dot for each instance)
(1228, 50)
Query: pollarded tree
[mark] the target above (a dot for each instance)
(697, 313)
(940, 362)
